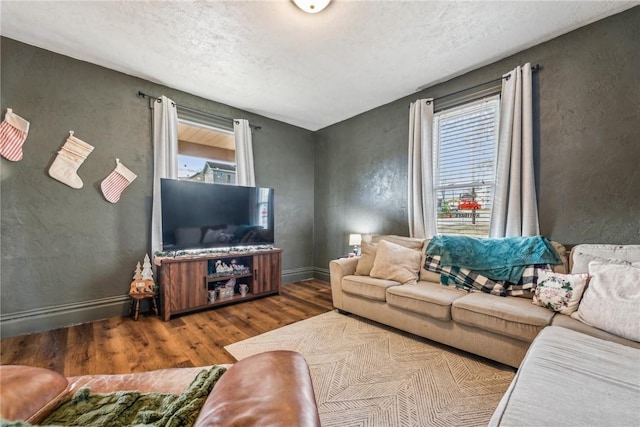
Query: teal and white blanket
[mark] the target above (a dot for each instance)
(498, 259)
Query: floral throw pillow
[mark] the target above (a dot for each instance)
(560, 292)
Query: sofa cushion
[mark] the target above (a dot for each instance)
(571, 379)
(513, 317)
(612, 299)
(428, 299)
(28, 393)
(367, 287)
(395, 262)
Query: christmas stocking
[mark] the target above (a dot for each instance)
(116, 182)
(69, 159)
(13, 133)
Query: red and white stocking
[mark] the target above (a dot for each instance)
(13, 133)
(116, 182)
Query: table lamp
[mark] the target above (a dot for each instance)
(355, 240)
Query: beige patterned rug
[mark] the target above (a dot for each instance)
(366, 374)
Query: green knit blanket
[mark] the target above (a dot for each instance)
(132, 408)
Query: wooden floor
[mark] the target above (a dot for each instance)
(122, 345)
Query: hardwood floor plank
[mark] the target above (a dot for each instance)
(122, 345)
(80, 349)
(113, 347)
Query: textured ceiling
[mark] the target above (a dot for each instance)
(270, 58)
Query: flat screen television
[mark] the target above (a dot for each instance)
(198, 215)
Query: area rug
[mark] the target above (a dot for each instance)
(366, 374)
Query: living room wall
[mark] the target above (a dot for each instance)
(68, 255)
(587, 142)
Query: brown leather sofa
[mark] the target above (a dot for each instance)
(268, 389)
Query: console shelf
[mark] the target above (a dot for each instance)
(185, 282)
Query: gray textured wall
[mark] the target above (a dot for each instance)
(68, 255)
(587, 145)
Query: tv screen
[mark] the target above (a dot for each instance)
(198, 215)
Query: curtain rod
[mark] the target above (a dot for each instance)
(193, 110)
(534, 68)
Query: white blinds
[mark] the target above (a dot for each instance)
(464, 166)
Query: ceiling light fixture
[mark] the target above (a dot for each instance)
(312, 6)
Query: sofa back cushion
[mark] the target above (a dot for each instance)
(582, 255)
(407, 242)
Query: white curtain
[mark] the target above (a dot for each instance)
(245, 174)
(515, 210)
(165, 159)
(421, 197)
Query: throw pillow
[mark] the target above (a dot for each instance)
(612, 299)
(367, 256)
(581, 262)
(368, 250)
(559, 292)
(397, 263)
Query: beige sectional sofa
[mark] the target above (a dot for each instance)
(499, 328)
(569, 378)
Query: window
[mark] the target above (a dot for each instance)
(264, 206)
(206, 153)
(465, 139)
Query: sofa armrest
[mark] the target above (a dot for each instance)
(338, 268)
(268, 389)
(28, 393)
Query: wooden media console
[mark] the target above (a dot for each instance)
(186, 283)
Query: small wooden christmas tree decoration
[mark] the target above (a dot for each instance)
(147, 273)
(143, 280)
(138, 273)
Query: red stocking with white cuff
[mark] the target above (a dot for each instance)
(13, 133)
(113, 185)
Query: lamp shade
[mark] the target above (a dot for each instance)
(355, 239)
(312, 6)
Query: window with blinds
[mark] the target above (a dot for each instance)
(465, 140)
